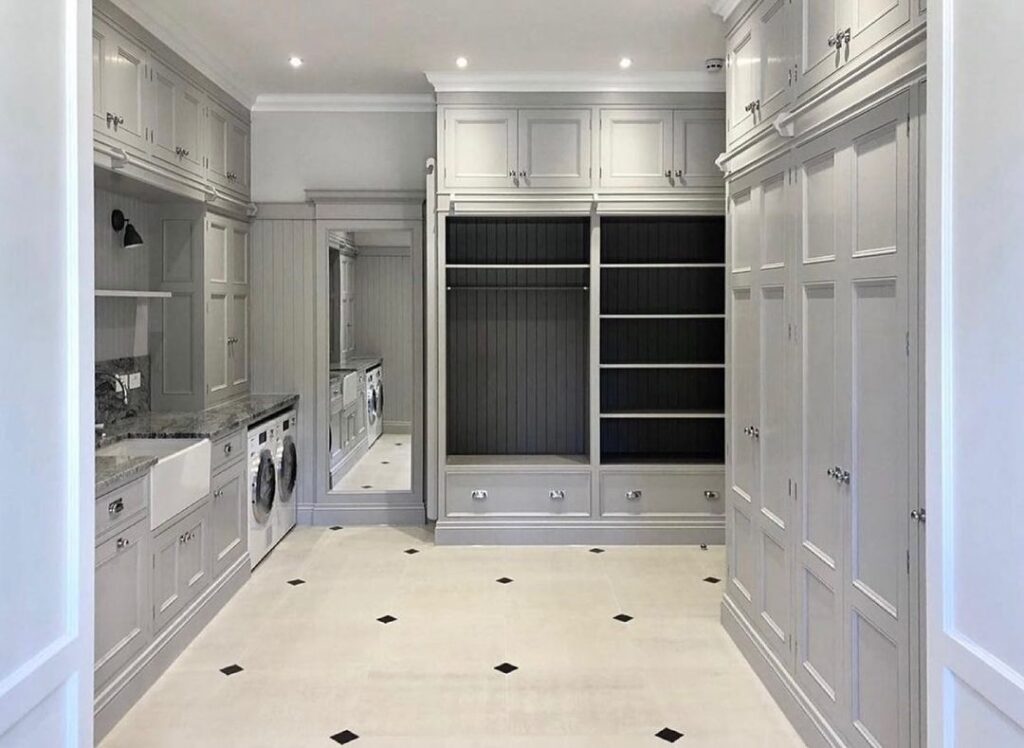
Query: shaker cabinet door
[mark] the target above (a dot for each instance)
(636, 148)
(123, 624)
(554, 148)
(481, 148)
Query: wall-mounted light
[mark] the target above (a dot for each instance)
(132, 239)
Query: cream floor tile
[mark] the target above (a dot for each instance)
(316, 661)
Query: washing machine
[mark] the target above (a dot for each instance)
(287, 461)
(262, 470)
(374, 404)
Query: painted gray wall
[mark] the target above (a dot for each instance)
(296, 151)
(283, 326)
(119, 268)
(384, 324)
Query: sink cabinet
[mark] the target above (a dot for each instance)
(181, 566)
(123, 620)
(229, 533)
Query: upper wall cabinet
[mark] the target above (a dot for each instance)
(554, 148)
(227, 160)
(119, 70)
(760, 67)
(176, 116)
(481, 148)
(657, 148)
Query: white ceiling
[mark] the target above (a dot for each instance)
(384, 46)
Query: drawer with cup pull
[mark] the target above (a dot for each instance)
(228, 449)
(517, 494)
(664, 494)
(114, 509)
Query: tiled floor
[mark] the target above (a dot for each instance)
(387, 466)
(322, 658)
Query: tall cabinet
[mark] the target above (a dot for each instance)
(581, 319)
(825, 540)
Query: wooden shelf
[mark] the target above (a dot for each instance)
(111, 294)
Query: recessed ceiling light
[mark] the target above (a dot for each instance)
(625, 63)
(461, 62)
(295, 61)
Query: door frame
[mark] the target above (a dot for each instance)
(362, 210)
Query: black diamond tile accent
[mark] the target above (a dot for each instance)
(345, 736)
(504, 580)
(296, 582)
(623, 617)
(337, 527)
(506, 668)
(366, 486)
(669, 735)
(597, 550)
(384, 462)
(410, 551)
(712, 580)
(231, 669)
(387, 619)
(398, 444)
(703, 546)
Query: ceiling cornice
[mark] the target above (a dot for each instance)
(670, 82)
(723, 8)
(345, 103)
(181, 41)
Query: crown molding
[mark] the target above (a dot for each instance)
(723, 8)
(181, 41)
(668, 82)
(345, 103)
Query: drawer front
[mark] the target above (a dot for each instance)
(114, 509)
(228, 449)
(662, 494)
(518, 495)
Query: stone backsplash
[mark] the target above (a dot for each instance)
(110, 405)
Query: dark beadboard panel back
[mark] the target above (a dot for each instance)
(682, 440)
(663, 341)
(663, 239)
(517, 339)
(497, 241)
(663, 291)
(662, 390)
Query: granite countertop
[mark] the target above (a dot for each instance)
(358, 362)
(213, 423)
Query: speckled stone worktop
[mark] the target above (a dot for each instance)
(212, 424)
(357, 362)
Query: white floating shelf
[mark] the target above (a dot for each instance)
(524, 266)
(662, 366)
(660, 265)
(108, 294)
(662, 316)
(663, 414)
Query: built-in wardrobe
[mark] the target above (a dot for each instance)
(581, 320)
(825, 208)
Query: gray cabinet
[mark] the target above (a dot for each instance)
(227, 150)
(228, 527)
(481, 148)
(175, 112)
(227, 307)
(181, 565)
(123, 618)
(554, 148)
(119, 85)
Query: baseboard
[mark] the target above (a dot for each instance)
(121, 694)
(809, 723)
(576, 532)
(365, 513)
(397, 427)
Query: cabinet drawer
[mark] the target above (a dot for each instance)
(114, 509)
(518, 494)
(661, 494)
(231, 447)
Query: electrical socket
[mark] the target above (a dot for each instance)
(134, 380)
(124, 379)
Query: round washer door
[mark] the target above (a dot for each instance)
(265, 488)
(289, 468)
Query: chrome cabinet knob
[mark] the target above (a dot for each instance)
(227, 449)
(668, 174)
(679, 173)
(634, 495)
(831, 472)
(746, 430)
(844, 476)
(711, 495)
(917, 514)
(115, 507)
(479, 495)
(122, 543)
(557, 495)
(755, 432)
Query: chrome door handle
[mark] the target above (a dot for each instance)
(679, 173)
(479, 495)
(831, 472)
(556, 495)
(755, 432)
(115, 507)
(844, 476)
(123, 543)
(917, 514)
(110, 119)
(634, 495)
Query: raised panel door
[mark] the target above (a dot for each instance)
(743, 85)
(228, 528)
(775, 48)
(167, 601)
(699, 140)
(218, 123)
(217, 249)
(163, 88)
(194, 564)
(819, 23)
(124, 91)
(238, 338)
(744, 229)
(217, 315)
(870, 21)
(189, 103)
(237, 168)
(554, 148)
(99, 111)
(636, 148)
(123, 623)
(481, 148)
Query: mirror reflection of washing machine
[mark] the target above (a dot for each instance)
(374, 404)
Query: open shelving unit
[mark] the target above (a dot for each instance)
(662, 313)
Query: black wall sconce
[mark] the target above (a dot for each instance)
(132, 239)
